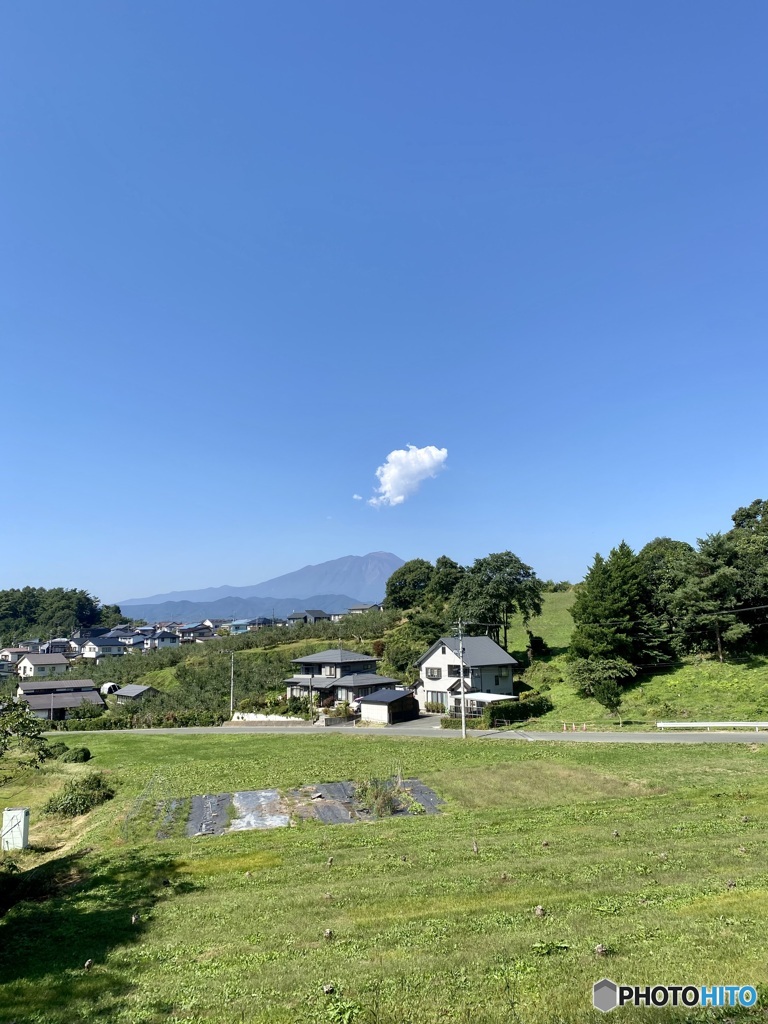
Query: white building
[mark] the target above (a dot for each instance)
(36, 666)
(487, 669)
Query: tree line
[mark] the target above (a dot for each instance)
(636, 612)
(36, 612)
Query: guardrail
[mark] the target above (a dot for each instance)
(757, 726)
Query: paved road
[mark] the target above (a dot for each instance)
(428, 728)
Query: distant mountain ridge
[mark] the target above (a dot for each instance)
(363, 575)
(237, 608)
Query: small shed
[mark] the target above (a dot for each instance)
(132, 692)
(389, 707)
(106, 688)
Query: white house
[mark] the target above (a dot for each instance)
(12, 654)
(161, 640)
(487, 669)
(102, 647)
(35, 666)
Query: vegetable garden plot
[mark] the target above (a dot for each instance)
(332, 803)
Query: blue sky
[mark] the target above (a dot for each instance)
(249, 249)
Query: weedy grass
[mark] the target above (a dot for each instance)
(657, 854)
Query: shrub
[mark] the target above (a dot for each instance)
(542, 675)
(380, 796)
(434, 706)
(56, 749)
(530, 705)
(78, 755)
(80, 796)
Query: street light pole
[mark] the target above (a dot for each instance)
(232, 685)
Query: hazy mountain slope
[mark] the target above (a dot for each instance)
(237, 608)
(363, 575)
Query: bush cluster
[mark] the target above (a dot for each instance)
(78, 755)
(80, 796)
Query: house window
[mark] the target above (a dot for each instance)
(330, 671)
(434, 673)
(504, 670)
(495, 680)
(436, 697)
(442, 649)
(454, 671)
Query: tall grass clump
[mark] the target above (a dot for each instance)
(80, 796)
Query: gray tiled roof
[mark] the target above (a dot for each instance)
(132, 690)
(45, 659)
(43, 701)
(333, 656)
(478, 651)
(385, 696)
(55, 683)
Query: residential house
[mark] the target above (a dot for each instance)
(212, 623)
(34, 666)
(31, 646)
(86, 632)
(161, 640)
(58, 645)
(361, 609)
(309, 616)
(194, 631)
(99, 647)
(133, 692)
(53, 699)
(487, 669)
(12, 654)
(337, 673)
(238, 626)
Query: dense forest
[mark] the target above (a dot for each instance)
(34, 612)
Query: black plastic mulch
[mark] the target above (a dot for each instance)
(209, 815)
(427, 797)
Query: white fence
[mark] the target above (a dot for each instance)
(757, 726)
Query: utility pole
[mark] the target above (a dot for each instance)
(463, 699)
(232, 685)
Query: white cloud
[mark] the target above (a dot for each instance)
(403, 471)
(357, 497)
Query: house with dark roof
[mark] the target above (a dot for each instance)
(309, 616)
(54, 699)
(488, 668)
(98, 647)
(33, 666)
(161, 640)
(336, 673)
(194, 631)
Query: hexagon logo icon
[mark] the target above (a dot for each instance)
(605, 995)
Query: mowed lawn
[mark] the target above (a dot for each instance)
(657, 853)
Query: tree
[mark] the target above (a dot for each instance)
(494, 588)
(589, 674)
(445, 579)
(407, 585)
(707, 603)
(610, 614)
(23, 730)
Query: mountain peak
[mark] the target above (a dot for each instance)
(364, 576)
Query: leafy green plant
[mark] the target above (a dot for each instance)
(77, 755)
(80, 796)
(380, 796)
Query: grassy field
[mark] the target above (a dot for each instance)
(657, 853)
